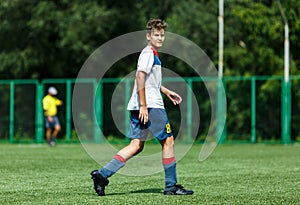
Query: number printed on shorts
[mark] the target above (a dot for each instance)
(168, 128)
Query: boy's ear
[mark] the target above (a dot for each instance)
(148, 36)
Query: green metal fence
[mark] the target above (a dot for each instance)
(22, 113)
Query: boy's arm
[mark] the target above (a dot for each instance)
(50, 119)
(46, 111)
(140, 81)
(174, 97)
(58, 102)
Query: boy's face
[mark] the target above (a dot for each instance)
(156, 38)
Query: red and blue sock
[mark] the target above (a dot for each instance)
(169, 165)
(113, 166)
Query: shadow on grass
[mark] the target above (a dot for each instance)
(114, 194)
(143, 191)
(146, 191)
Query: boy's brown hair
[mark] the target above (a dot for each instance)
(155, 24)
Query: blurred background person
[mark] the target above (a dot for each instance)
(50, 103)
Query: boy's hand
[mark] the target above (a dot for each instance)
(174, 97)
(50, 119)
(143, 115)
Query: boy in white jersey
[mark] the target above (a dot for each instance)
(147, 114)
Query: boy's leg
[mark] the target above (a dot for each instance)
(100, 176)
(49, 127)
(169, 164)
(119, 160)
(57, 128)
(48, 134)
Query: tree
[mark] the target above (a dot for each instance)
(45, 39)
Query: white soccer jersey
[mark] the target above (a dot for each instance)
(150, 64)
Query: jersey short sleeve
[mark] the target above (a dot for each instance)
(146, 60)
(57, 101)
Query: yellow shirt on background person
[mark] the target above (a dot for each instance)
(50, 105)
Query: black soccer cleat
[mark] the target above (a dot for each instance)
(178, 190)
(99, 182)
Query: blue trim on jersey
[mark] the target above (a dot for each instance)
(156, 57)
(156, 60)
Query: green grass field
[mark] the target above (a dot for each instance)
(233, 174)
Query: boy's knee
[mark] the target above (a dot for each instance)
(168, 142)
(57, 128)
(138, 146)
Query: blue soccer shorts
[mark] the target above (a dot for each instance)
(158, 124)
(52, 124)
